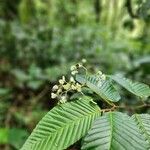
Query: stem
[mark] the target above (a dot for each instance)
(125, 107)
(109, 103)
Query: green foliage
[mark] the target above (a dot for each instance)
(15, 136)
(67, 123)
(103, 88)
(114, 130)
(143, 122)
(63, 125)
(140, 89)
(26, 10)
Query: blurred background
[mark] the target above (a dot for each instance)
(41, 39)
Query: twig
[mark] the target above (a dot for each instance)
(125, 107)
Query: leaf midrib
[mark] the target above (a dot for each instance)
(111, 129)
(69, 124)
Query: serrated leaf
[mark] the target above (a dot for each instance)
(115, 131)
(140, 89)
(143, 122)
(63, 125)
(104, 88)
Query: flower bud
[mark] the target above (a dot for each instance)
(63, 99)
(72, 68)
(103, 77)
(78, 87)
(72, 80)
(63, 78)
(84, 60)
(66, 86)
(55, 87)
(73, 87)
(74, 72)
(53, 95)
(99, 73)
(61, 81)
(59, 91)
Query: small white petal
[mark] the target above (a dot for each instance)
(72, 79)
(53, 95)
(55, 87)
(63, 99)
(66, 86)
(99, 73)
(80, 65)
(73, 87)
(59, 91)
(61, 81)
(63, 78)
(84, 60)
(74, 72)
(103, 77)
(72, 68)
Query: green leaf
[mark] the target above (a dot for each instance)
(3, 135)
(19, 138)
(142, 60)
(20, 75)
(115, 131)
(4, 91)
(35, 84)
(140, 89)
(143, 121)
(7, 136)
(63, 125)
(104, 88)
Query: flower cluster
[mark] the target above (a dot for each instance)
(74, 68)
(60, 90)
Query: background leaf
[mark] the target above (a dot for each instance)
(140, 89)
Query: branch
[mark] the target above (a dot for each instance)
(125, 107)
(129, 9)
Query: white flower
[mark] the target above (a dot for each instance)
(99, 73)
(78, 87)
(53, 95)
(55, 87)
(84, 60)
(63, 99)
(72, 68)
(79, 65)
(74, 72)
(103, 77)
(66, 86)
(73, 87)
(63, 78)
(72, 79)
(59, 91)
(61, 81)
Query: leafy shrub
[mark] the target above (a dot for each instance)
(84, 117)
